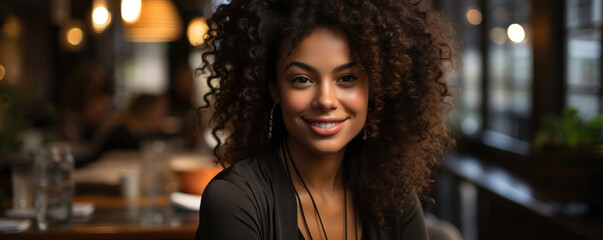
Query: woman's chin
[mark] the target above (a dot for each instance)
(327, 147)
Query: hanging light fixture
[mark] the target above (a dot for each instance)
(101, 17)
(157, 21)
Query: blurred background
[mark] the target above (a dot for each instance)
(112, 77)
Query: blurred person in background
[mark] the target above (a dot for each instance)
(85, 103)
(141, 119)
(182, 109)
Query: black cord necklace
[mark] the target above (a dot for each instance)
(345, 215)
(296, 195)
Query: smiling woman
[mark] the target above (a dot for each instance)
(333, 111)
(323, 96)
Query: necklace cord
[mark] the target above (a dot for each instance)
(307, 189)
(345, 211)
(290, 158)
(297, 197)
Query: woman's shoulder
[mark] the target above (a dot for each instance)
(250, 175)
(244, 197)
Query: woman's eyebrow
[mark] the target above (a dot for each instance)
(313, 70)
(302, 65)
(344, 66)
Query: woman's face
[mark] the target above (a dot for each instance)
(322, 93)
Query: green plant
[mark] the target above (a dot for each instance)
(12, 119)
(568, 132)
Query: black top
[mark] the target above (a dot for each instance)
(254, 199)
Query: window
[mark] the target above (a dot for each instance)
(468, 17)
(524, 61)
(509, 76)
(583, 56)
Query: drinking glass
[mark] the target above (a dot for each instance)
(53, 174)
(22, 184)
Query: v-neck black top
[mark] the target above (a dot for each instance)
(253, 199)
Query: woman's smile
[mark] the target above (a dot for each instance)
(326, 127)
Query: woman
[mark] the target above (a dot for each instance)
(333, 114)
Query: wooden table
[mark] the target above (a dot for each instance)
(117, 218)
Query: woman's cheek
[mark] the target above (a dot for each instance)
(356, 98)
(295, 101)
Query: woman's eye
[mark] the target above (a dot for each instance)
(347, 79)
(301, 80)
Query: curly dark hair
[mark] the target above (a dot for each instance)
(404, 48)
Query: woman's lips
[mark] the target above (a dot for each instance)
(326, 128)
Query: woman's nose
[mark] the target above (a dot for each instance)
(326, 96)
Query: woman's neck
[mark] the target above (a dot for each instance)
(321, 172)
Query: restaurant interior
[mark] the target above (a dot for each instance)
(113, 86)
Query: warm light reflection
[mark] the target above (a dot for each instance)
(197, 28)
(159, 21)
(130, 10)
(101, 17)
(498, 35)
(474, 16)
(2, 72)
(516, 33)
(12, 27)
(75, 36)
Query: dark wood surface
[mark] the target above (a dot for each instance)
(509, 207)
(117, 218)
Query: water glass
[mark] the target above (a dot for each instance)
(53, 170)
(22, 172)
(22, 184)
(157, 181)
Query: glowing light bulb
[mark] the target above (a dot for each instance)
(474, 16)
(197, 28)
(516, 33)
(101, 17)
(75, 36)
(130, 10)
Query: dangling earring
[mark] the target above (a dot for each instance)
(271, 117)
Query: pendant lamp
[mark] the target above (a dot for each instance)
(156, 21)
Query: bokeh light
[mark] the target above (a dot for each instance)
(474, 16)
(498, 35)
(130, 10)
(501, 15)
(2, 72)
(75, 36)
(101, 17)
(197, 28)
(516, 33)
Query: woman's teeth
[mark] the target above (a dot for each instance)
(325, 125)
